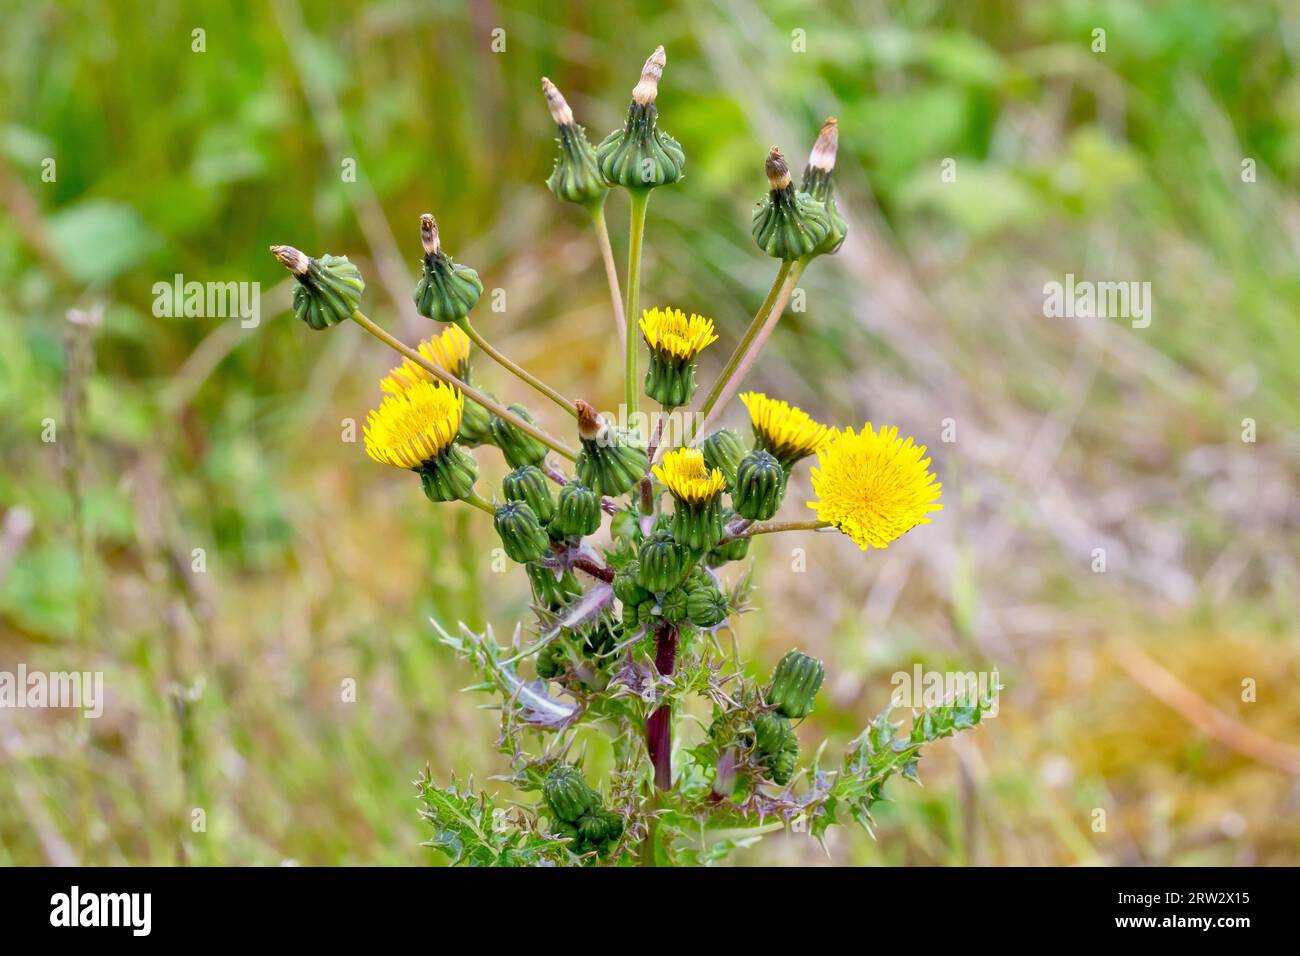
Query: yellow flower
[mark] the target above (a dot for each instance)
(789, 433)
(414, 426)
(449, 351)
(684, 473)
(873, 486)
(670, 333)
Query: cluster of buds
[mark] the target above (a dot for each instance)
(768, 731)
(578, 813)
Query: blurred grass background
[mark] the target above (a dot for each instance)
(184, 433)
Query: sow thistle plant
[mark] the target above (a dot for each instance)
(633, 544)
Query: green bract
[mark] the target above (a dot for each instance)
(640, 155)
(527, 484)
(663, 562)
(723, 451)
(706, 606)
(612, 464)
(795, 683)
(760, 486)
(578, 511)
(778, 746)
(521, 533)
(450, 476)
(518, 447)
(576, 177)
(670, 382)
(698, 524)
(475, 424)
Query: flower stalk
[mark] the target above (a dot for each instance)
(495, 354)
(611, 271)
(496, 408)
(632, 388)
(724, 388)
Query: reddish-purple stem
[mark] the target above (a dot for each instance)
(659, 726)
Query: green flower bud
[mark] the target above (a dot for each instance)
(795, 683)
(527, 484)
(611, 461)
(706, 606)
(664, 562)
(576, 177)
(817, 184)
(591, 830)
(788, 224)
(640, 155)
(518, 447)
(627, 584)
(648, 613)
(578, 512)
(760, 486)
(548, 590)
(475, 423)
(778, 746)
(567, 796)
(328, 289)
(446, 291)
(672, 607)
(633, 615)
(521, 533)
(450, 476)
(723, 451)
(733, 550)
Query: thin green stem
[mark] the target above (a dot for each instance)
(742, 347)
(648, 844)
(479, 502)
(496, 408)
(611, 271)
(774, 526)
(632, 387)
(477, 338)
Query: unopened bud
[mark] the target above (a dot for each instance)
(828, 142)
(429, 234)
(555, 101)
(329, 288)
(778, 170)
(648, 87)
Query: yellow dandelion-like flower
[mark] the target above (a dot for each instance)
(685, 474)
(873, 486)
(414, 426)
(786, 431)
(449, 351)
(670, 333)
